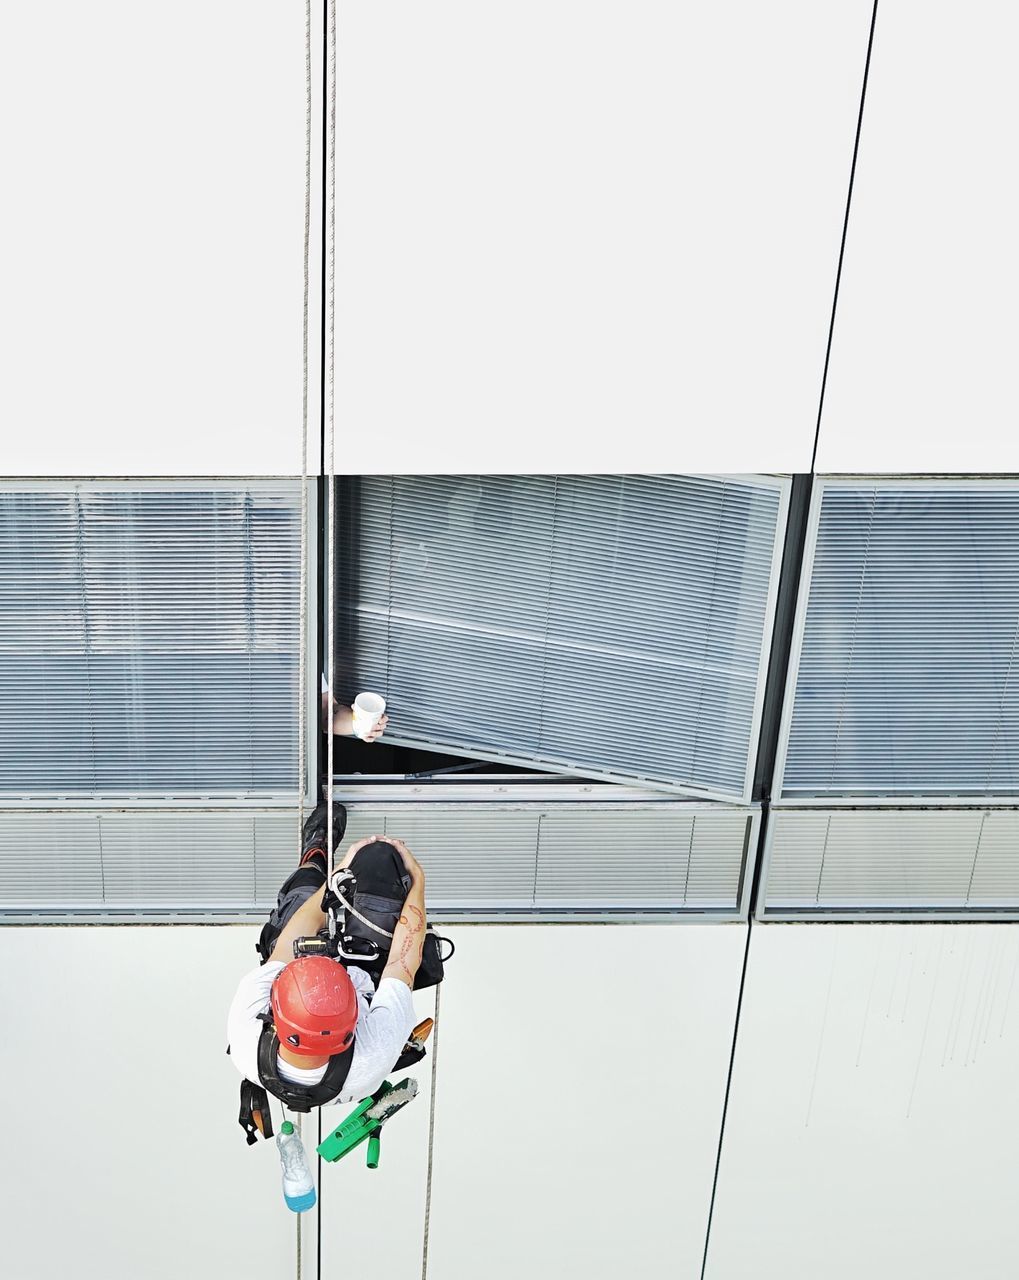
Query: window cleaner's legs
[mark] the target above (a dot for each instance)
(313, 841)
(307, 878)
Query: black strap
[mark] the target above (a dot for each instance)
(373, 959)
(413, 1052)
(254, 1108)
(300, 1097)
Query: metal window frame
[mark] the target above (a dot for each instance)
(780, 484)
(597, 798)
(763, 914)
(858, 799)
(213, 798)
(768, 635)
(526, 794)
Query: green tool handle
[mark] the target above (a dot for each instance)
(373, 1150)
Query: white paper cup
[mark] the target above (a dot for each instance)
(368, 711)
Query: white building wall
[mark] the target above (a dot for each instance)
(123, 1156)
(580, 1085)
(152, 255)
(581, 1075)
(921, 375)
(871, 1127)
(581, 1071)
(605, 224)
(597, 235)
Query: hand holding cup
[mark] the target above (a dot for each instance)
(369, 718)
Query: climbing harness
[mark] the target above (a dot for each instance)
(344, 882)
(363, 905)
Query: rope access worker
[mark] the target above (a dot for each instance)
(312, 1030)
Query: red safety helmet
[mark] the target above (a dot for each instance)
(314, 1006)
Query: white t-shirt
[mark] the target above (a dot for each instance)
(381, 1032)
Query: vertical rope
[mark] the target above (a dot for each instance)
(302, 679)
(329, 423)
(299, 1130)
(431, 1136)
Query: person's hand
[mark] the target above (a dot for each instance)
(414, 868)
(377, 729)
(417, 873)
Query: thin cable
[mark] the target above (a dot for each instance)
(318, 1215)
(300, 1133)
(845, 230)
(431, 1135)
(327, 593)
(302, 708)
(329, 427)
(725, 1102)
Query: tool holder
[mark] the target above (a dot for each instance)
(359, 1127)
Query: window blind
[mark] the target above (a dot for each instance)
(906, 670)
(881, 860)
(156, 863)
(609, 626)
(544, 860)
(149, 638)
(556, 859)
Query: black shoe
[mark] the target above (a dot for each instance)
(314, 835)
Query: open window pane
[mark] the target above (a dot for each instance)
(609, 626)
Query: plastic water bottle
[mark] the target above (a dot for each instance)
(298, 1184)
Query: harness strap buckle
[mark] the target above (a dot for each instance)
(364, 949)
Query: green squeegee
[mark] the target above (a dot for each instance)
(366, 1120)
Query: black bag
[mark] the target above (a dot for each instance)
(431, 971)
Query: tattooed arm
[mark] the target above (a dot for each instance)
(409, 934)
